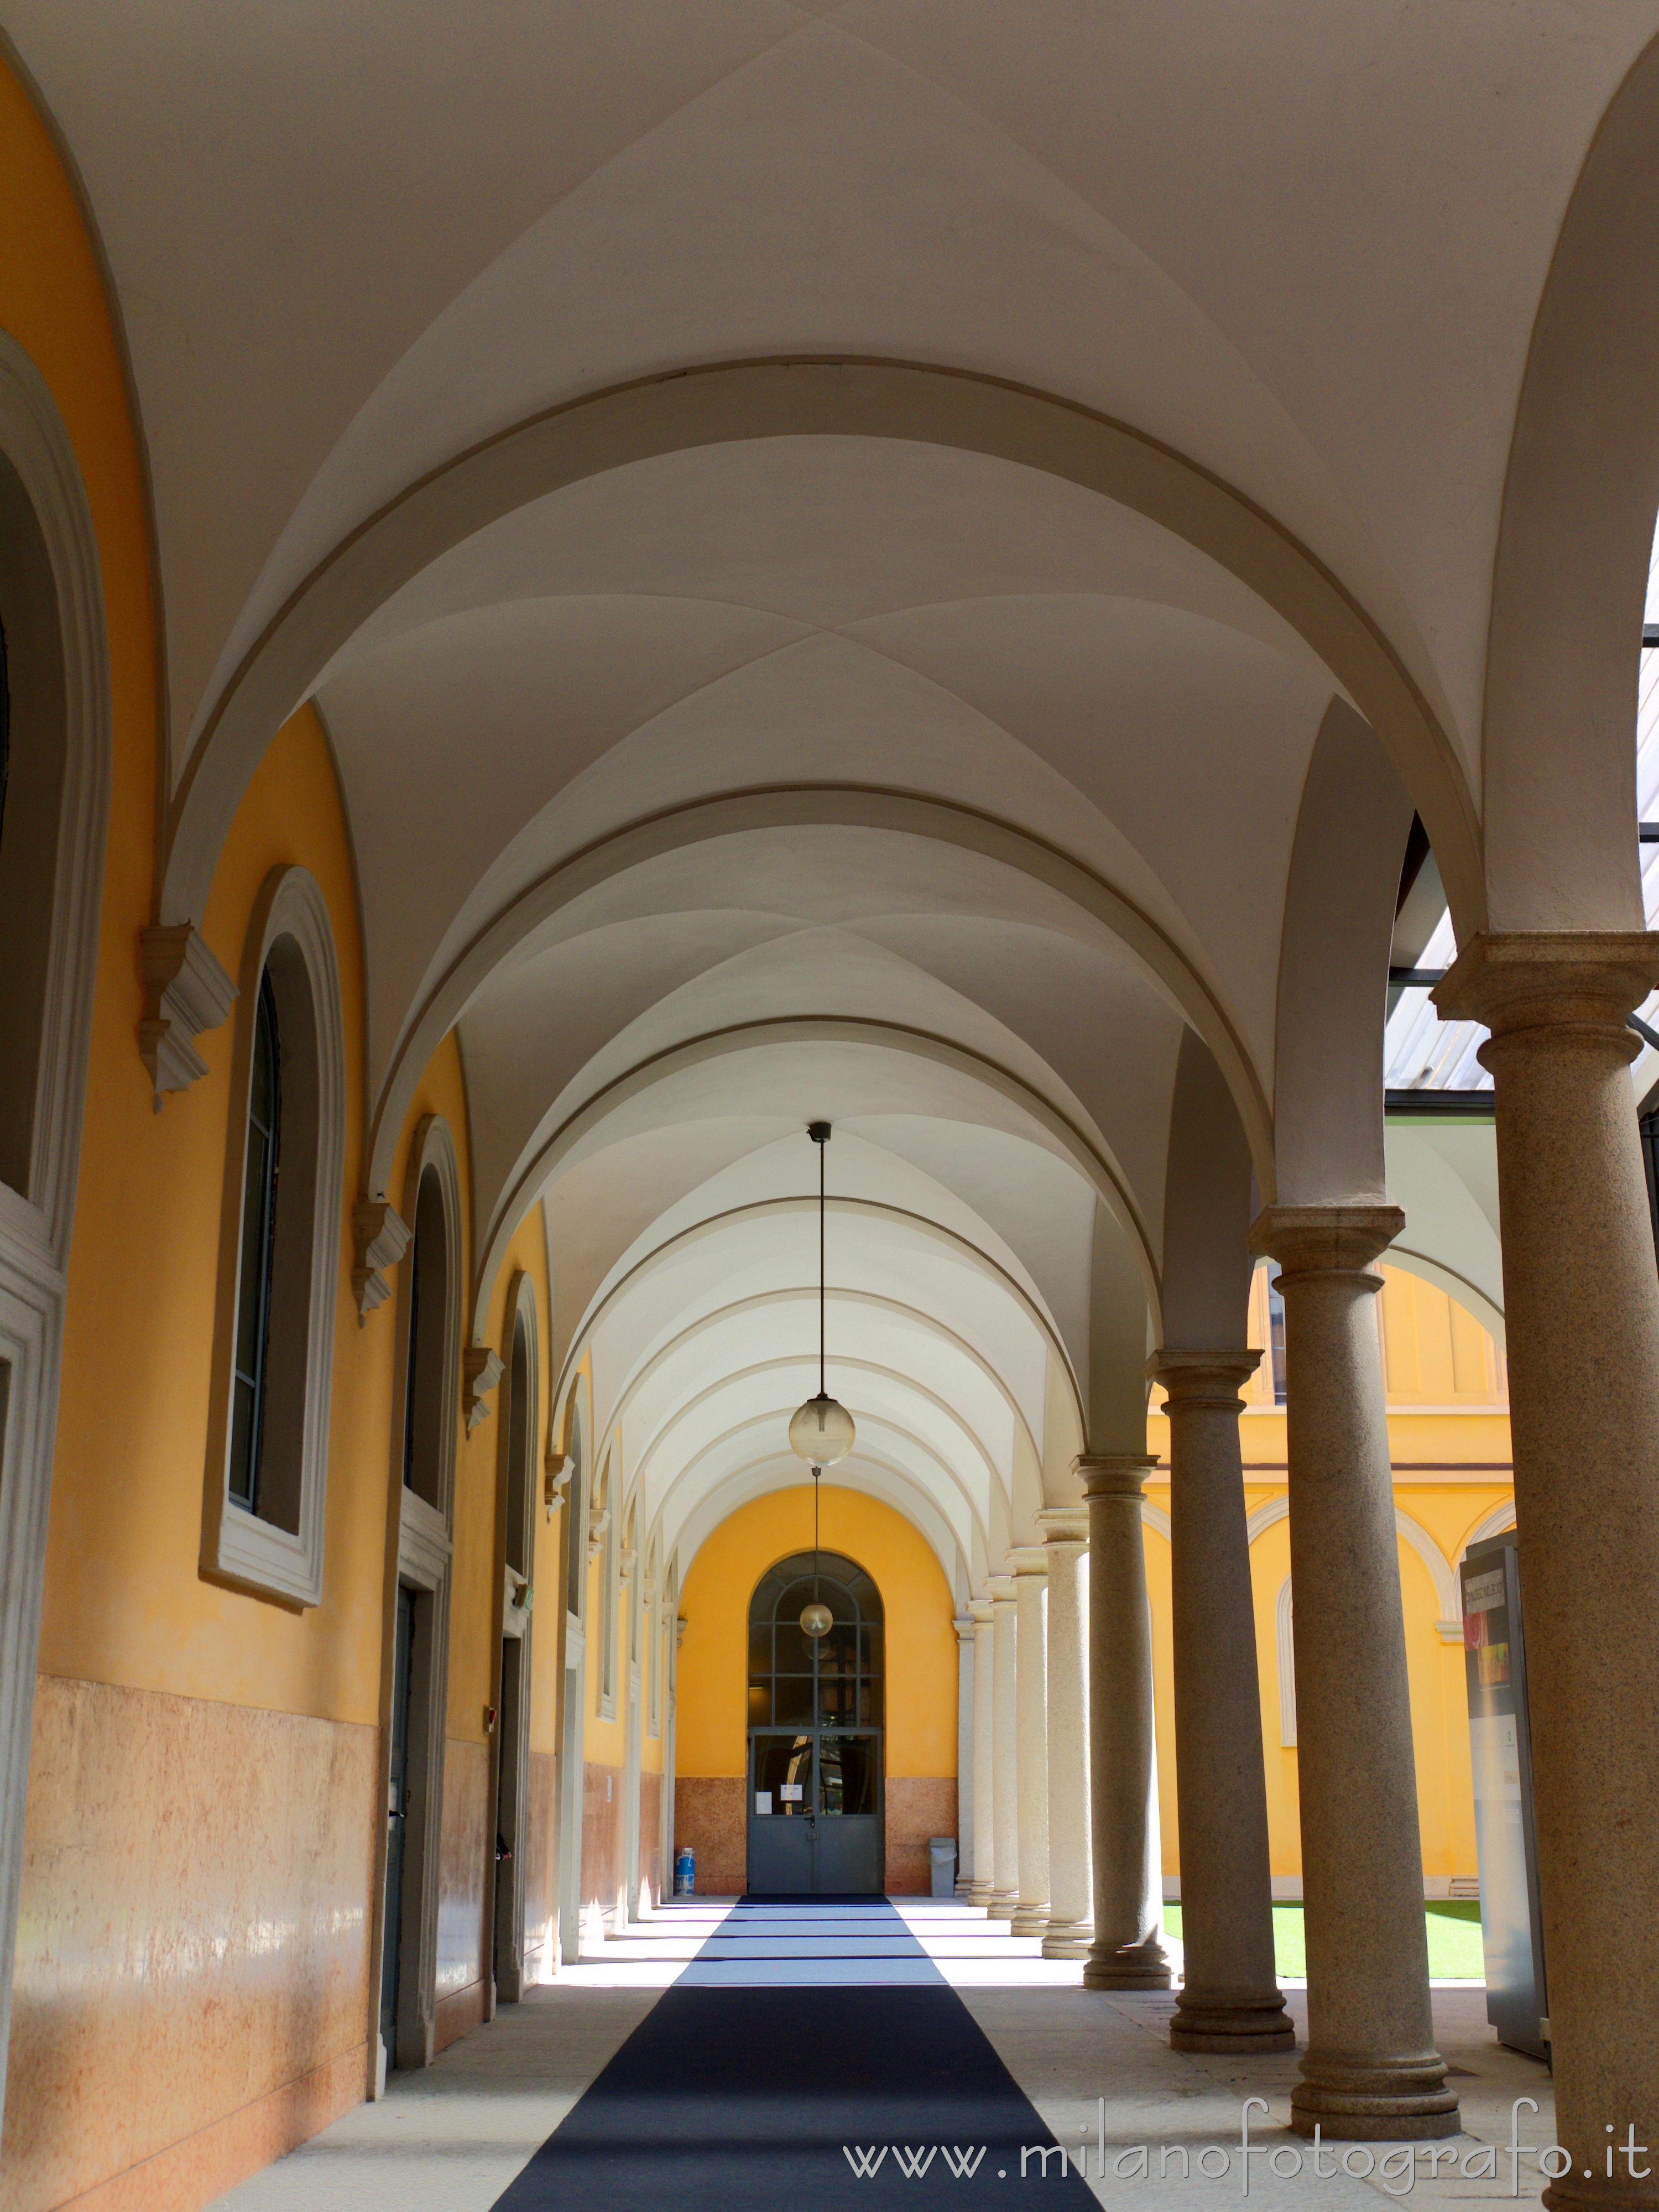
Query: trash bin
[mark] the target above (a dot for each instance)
(942, 1863)
(685, 1873)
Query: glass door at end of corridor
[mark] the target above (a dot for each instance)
(816, 1768)
(782, 1813)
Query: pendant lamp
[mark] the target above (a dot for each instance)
(822, 1430)
(816, 1618)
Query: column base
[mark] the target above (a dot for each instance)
(979, 1893)
(1030, 1920)
(1218, 2023)
(1404, 2101)
(1067, 1939)
(966, 1886)
(1127, 1966)
(1003, 1903)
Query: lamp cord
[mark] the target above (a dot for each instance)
(821, 1271)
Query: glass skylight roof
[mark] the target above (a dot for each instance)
(1422, 1053)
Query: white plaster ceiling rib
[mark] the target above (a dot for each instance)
(686, 1530)
(769, 1393)
(535, 729)
(647, 1366)
(1093, 909)
(539, 1048)
(697, 1059)
(742, 401)
(908, 1462)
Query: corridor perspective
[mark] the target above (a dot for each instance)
(829, 1100)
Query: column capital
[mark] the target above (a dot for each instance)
(979, 1611)
(1028, 1559)
(1001, 1589)
(1115, 1475)
(964, 1624)
(1587, 982)
(1203, 1378)
(1325, 1240)
(1064, 1524)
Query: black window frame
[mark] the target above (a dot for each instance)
(257, 1256)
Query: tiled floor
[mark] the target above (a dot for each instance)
(1096, 2066)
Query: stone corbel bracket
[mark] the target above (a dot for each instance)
(556, 1473)
(185, 992)
(381, 1236)
(599, 1519)
(481, 1371)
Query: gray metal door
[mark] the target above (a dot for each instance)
(816, 1769)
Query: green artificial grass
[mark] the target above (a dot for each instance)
(1454, 1933)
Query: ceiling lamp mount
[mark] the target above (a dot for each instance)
(822, 1430)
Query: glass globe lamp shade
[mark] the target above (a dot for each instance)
(822, 1431)
(816, 1618)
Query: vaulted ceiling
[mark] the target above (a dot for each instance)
(873, 763)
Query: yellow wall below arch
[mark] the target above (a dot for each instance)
(711, 1709)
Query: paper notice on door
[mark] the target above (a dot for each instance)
(790, 1792)
(762, 1800)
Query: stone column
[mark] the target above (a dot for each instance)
(1030, 1571)
(1582, 1303)
(984, 1882)
(1071, 1902)
(1128, 1950)
(1371, 2072)
(964, 1628)
(1230, 1999)
(1005, 1755)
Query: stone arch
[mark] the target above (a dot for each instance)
(1091, 1160)
(1332, 975)
(738, 401)
(1104, 913)
(877, 1208)
(1558, 801)
(35, 1220)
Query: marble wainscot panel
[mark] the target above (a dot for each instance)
(651, 1866)
(709, 1815)
(602, 1841)
(466, 1853)
(192, 1981)
(918, 1805)
(541, 1873)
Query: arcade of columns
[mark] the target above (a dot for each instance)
(1082, 1867)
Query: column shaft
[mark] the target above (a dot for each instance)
(1031, 1569)
(1128, 1950)
(1004, 1754)
(1230, 1998)
(1071, 1901)
(1370, 2070)
(965, 1631)
(984, 1881)
(1582, 1304)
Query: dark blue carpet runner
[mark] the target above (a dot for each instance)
(733, 2098)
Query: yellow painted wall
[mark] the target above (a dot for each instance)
(711, 1723)
(124, 1601)
(1449, 1435)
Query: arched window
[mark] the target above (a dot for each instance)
(576, 1514)
(426, 1374)
(831, 1681)
(280, 1269)
(251, 1374)
(31, 764)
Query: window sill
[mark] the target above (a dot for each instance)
(257, 1557)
